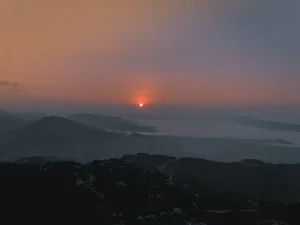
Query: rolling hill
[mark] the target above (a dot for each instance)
(66, 138)
(268, 124)
(111, 123)
(10, 122)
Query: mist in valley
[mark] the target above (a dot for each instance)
(224, 135)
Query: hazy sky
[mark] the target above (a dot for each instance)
(217, 52)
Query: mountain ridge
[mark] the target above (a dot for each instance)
(111, 123)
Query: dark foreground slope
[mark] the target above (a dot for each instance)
(112, 191)
(245, 182)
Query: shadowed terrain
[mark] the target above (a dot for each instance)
(120, 191)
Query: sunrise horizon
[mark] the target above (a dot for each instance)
(156, 52)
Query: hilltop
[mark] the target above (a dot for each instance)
(111, 123)
(66, 138)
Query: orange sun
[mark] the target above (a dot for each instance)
(141, 105)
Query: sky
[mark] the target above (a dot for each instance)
(159, 52)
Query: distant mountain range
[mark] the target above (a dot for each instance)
(15, 120)
(10, 122)
(244, 120)
(66, 138)
(111, 123)
(268, 124)
(87, 136)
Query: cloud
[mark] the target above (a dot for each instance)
(9, 91)
(5, 84)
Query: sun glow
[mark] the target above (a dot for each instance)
(141, 105)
